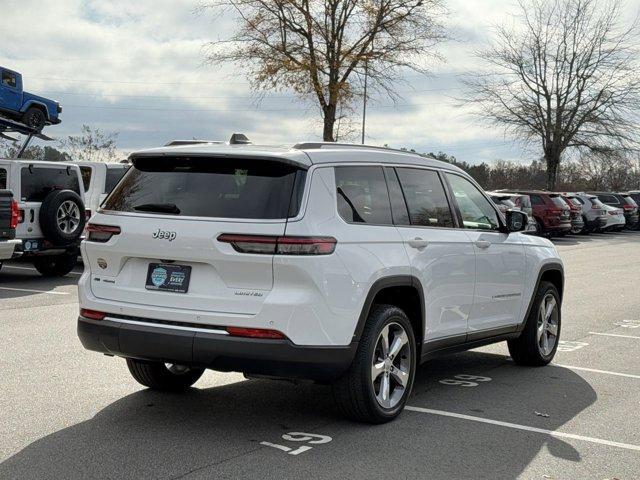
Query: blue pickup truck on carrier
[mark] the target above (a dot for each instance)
(32, 110)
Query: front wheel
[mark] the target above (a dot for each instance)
(34, 118)
(55, 266)
(376, 387)
(163, 376)
(537, 344)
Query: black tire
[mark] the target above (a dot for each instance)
(354, 392)
(35, 118)
(157, 376)
(525, 350)
(50, 223)
(55, 265)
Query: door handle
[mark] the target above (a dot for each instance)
(483, 244)
(418, 243)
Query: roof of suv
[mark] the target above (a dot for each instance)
(38, 162)
(305, 154)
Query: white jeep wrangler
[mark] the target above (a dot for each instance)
(51, 212)
(344, 264)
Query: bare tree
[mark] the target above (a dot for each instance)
(320, 48)
(91, 145)
(567, 76)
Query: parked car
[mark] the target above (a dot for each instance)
(551, 213)
(51, 214)
(506, 201)
(615, 219)
(577, 222)
(622, 201)
(635, 195)
(340, 263)
(30, 109)
(594, 215)
(98, 179)
(8, 222)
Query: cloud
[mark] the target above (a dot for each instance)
(136, 68)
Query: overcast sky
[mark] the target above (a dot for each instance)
(136, 68)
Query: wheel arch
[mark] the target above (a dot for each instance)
(552, 272)
(39, 105)
(402, 291)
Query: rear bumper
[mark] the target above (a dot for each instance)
(7, 248)
(217, 351)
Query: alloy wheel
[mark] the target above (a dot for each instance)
(391, 365)
(547, 331)
(68, 217)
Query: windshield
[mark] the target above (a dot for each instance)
(208, 187)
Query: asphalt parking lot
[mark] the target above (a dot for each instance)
(69, 413)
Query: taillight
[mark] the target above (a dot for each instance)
(92, 314)
(15, 215)
(629, 207)
(101, 233)
(255, 333)
(285, 245)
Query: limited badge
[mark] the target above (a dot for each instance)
(158, 276)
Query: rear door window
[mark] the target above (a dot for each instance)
(38, 182)
(426, 198)
(362, 196)
(208, 187)
(114, 174)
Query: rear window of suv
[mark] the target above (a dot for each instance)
(209, 187)
(38, 182)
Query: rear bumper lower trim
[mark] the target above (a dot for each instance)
(211, 349)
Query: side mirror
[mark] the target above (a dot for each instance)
(516, 221)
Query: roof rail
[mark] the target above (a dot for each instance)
(176, 143)
(318, 145)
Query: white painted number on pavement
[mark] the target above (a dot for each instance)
(299, 437)
(628, 324)
(464, 380)
(566, 346)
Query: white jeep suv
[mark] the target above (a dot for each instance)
(342, 264)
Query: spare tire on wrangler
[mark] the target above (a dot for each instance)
(62, 217)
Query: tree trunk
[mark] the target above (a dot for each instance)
(553, 162)
(329, 123)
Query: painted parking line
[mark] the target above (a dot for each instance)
(30, 290)
(17, 267)
(515, 426)
(594, 370)
(614, 335)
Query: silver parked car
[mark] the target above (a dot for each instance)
(594, 213)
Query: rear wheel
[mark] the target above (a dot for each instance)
(538, 342)
(163, 376)
(55, 265)
(378, 383)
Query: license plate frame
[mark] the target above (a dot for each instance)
(168, 277)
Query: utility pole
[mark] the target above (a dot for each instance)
(364, 103)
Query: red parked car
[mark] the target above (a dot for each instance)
(577, 223)
(550, 211)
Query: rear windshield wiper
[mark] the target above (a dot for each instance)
(158, 207)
